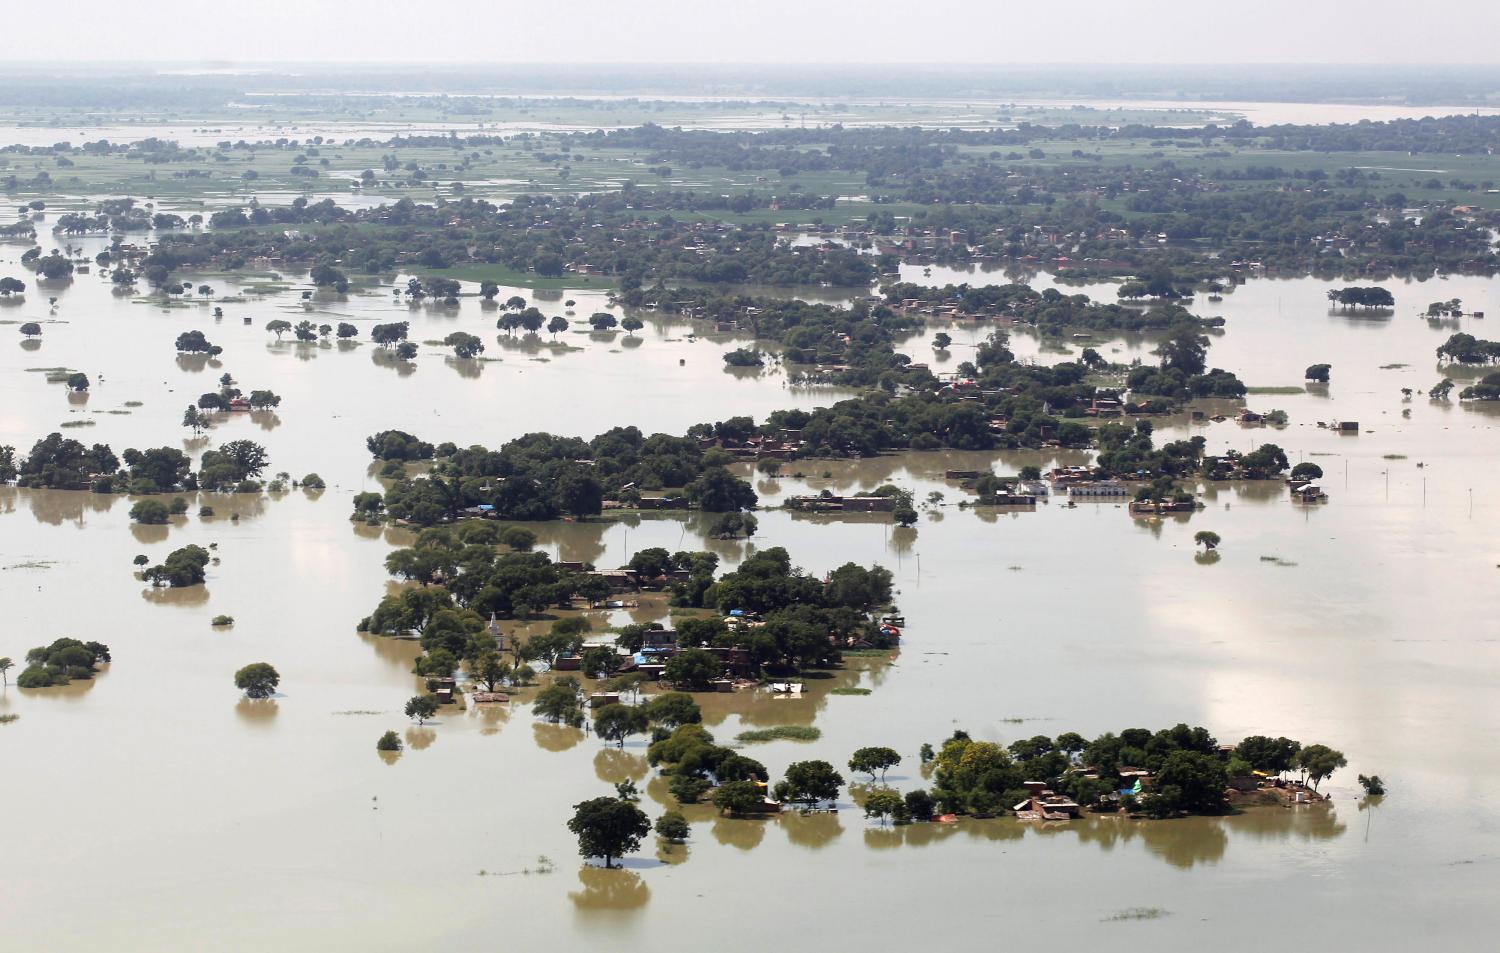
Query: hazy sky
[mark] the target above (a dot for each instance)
(408, 32)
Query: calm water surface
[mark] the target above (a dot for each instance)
(191, 819)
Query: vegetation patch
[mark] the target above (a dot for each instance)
(850, 691)
(1273, 390)
(1137, 913)
(780, 733)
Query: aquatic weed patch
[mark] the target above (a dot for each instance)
(780, 733)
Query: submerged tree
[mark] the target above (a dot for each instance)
(257, 680)
(608, 827)
(421, 707)
(870, 760)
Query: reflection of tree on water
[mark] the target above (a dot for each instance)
(73, 691)
(467, 368)
(259, 712)
(183, 596)
(572, 542)
(491, 718)
(419, 738)
(555, 737)
(383, 357)
(1307, 823)
(149, 533)
(607, 891)
(812, 831)
(670, 853)
(614, 765)
(193, 363)
(54, 507)
(903, 538)
(265, 419)
(389, 757)
(399, 654)
(743, 833)
(1184, 842)
(1207, 558)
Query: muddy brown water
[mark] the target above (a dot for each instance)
(190, 818)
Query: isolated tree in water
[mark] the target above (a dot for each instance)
(421, 707)
(257, 680)
(870, 760)
(608, 827)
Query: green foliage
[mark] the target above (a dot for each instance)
(608, 827)
(257, 680)
(421, 707)
(672, 827)
(1272, 755)
(738, 797)
(870, 760)
(390, 741)
(693, 669)
(150, 512)
(182, 567)
(59, 663)
(672, 710)
(1188, 782)
(1319, 762)
(780, 733)
(688, 788)
(919, 805)
(560, 702)
(885, 804)
(617, 722)
(809, 782)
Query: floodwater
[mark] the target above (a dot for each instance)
(190, 818)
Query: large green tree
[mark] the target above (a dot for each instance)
(608, 827)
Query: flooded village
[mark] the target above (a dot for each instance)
(554, 526)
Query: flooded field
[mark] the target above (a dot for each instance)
(166, 800)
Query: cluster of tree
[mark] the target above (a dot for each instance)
(1183, 373)
(804, 621)
(1266, 462)
(1486, 388)
(61, 662)
(478, 581)
(695, 764)
(541, 476)
(182, 567)
(546, 235)
(1055, 313)
(257, 680)
(1190, 773)
(611, 827)
(57, 462)
(1461, 348)
(1369, 298)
